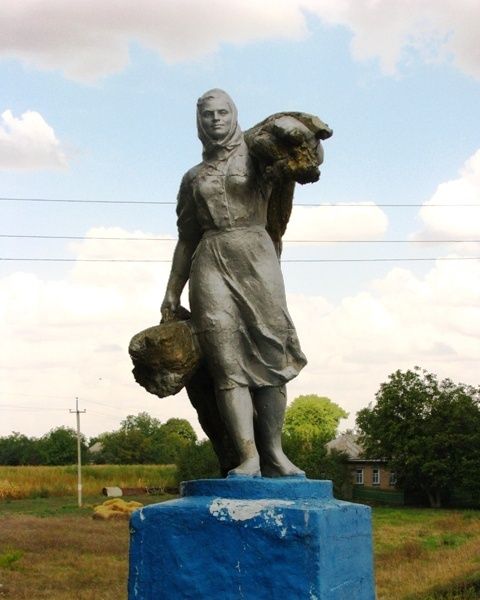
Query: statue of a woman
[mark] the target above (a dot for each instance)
(236, 291)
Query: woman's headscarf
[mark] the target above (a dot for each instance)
(233, 137)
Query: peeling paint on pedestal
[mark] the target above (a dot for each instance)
(244, 510)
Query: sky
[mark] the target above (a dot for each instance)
(97, 104)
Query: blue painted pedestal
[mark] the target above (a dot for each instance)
(252, 539)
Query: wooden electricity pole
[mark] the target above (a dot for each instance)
(79, 452)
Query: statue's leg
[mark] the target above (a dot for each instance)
(236, 408)
(270, 403)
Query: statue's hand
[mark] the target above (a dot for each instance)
(292, 131)
(169, 306)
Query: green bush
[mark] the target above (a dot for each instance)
(197, 461)
(312, 457)
(9, 558)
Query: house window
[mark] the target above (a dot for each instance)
(375, 476)
(359, 476)
(393, 479)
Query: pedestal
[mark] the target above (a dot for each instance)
(252, 539)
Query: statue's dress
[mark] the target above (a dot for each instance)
(236, 290)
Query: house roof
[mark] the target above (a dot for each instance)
(96, 447)
(348, 443)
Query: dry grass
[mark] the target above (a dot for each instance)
(420, 550)
(72, 557)
(64, 558)
(31, 482)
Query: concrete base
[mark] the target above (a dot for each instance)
(252, 539)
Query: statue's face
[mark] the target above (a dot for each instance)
(216, 118)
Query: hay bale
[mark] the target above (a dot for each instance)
(115, 508)
(104, 514)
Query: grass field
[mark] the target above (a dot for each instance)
(45, 482)
(51, 549)
(423, 554)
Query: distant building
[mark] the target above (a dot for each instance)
(372, 479)
(95, 448)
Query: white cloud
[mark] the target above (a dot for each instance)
(454, 220)
(349, 222)
(397, 322)
(29, 143)
(436, 30)
(68, 337)
(87, 40)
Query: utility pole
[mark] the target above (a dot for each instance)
(79, 452)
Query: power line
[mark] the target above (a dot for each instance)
(89, 260)
(102, 414)
(353, 205)
(83, 237)
(171, 239)
(101, 403)
(21, 407)
(379, 241)
(43, 408)
(393, 259)
(37, 396)
(75, 201)
(287, 260)
(17, 407)
(114, 409)
(159, 202)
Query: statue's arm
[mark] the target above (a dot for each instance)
(189, 235)
(182, 258)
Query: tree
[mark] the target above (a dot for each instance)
(180, 428)
(145, 424)
(313, 417)
(133, 442)
(175, 436)
(142, 439)
(310, 422)
(59, 446)
(18, 449)
(197, 460)
(428, 431)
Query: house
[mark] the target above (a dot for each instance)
(94, 452)
(96, 448)
(372, 479)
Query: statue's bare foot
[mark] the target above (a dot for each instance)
(249, 468)
(278, 465)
